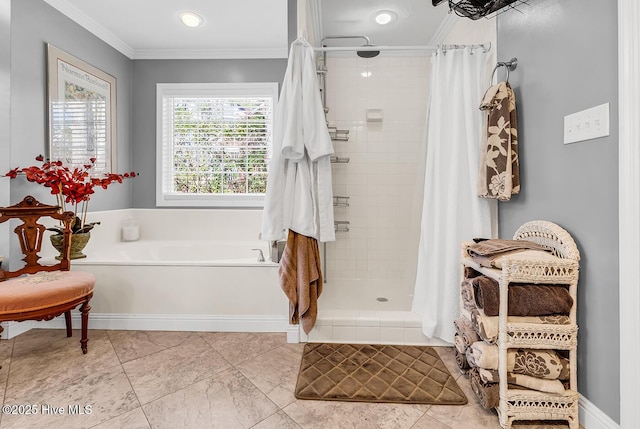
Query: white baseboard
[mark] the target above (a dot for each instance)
(12, 329)
(160, 322)
(591, 417)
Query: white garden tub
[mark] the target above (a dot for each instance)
(191, 270)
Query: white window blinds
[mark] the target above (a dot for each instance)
(215, 143)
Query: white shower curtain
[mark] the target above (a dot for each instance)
(452, 212)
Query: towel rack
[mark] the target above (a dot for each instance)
(509, 65)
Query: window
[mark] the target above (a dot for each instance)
(214, 143)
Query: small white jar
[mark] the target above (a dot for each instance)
(130, 230)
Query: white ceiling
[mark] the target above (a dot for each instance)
(150, 29)
(417, 23)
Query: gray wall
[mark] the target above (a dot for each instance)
(567, 62)
(33, 24)
(5, 123)
(147, 73)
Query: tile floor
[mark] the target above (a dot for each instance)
(150, 379)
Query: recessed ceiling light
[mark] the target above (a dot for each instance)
(385, 17)
(190, 19)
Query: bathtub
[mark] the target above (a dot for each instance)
(191, 270)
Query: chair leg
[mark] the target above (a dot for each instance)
(84, 310)
(67, 321)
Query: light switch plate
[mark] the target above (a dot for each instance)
(586, 125)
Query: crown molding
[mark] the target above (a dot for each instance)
(444, 29)
(92, 26)
(215, 54)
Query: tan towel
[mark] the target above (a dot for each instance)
(461, 360)
(523, 299)
(499, 175)
(487, 326)
(538, 363)
(301, 279)
(489, 253)
(487, 394)
(466, 295)
(465, 331)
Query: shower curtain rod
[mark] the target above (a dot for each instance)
(485, 46)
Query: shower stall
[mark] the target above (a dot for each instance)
(376, 109)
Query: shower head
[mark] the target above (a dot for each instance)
(367, 53)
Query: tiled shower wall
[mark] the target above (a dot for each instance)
(385, 174)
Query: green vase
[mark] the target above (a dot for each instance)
(78, 242)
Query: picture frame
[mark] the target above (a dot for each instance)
(81, 120)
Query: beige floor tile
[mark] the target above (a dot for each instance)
(130, 345)
(6, 347)
(448, 357)
(278, 420)
(238, 346)
(71, 399)
(473, 414)
(134, 419)
(227, 400)
(275, 373)
(428, 422)
(39, 354)
(165, 372)
(353, 415)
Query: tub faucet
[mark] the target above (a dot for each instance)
(260, 255)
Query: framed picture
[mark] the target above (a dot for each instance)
(82, 112)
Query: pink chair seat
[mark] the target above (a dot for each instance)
(44, 290)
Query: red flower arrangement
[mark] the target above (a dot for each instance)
(69, 186)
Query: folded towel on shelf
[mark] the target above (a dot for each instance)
(465, 330)
(459, 343)
(487, 326)
(524, 299)
(489, 375)
(461, 360)
(301, 279)
(489, 253)
(488, 394)
(539, 363)
(467, 295)
(470, 273)
(535, 383)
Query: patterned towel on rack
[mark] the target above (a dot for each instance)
(466, 295)
(465, 331)
(487, 326)
(488, 394)
(499, 176)
(539, 363)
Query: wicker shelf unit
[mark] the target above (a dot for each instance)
(517, 404)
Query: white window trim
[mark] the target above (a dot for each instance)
(204, 90)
